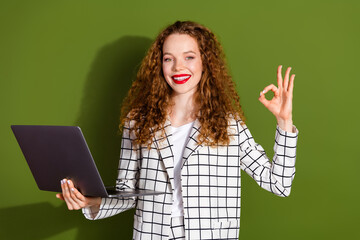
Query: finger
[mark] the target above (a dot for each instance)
(291, 84)
(68, 196)
(262, 97)
(271, 87)
(78, 195)
(263, 100)
(286, 79)
(78, 198)
(74, 201)
(279, 77)
(65, 195)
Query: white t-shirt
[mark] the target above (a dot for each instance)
(180, 136)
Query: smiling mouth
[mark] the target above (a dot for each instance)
(181, 78)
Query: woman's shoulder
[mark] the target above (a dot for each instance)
(129, 120)
(235, 120)
(235, 125)
(129, 124)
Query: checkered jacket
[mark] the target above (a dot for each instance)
(211, 182)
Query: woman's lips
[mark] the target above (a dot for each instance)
(181, 78)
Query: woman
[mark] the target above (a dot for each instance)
(184, 134)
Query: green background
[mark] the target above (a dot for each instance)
(71, 63)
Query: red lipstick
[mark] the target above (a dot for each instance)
(181, 78)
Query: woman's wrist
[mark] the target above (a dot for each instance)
(94, 205)
(285, 124)
(95, 202)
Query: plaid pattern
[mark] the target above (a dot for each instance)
(177, 228)
(211, 181)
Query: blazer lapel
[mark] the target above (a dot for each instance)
(164, 146)
(192, 143)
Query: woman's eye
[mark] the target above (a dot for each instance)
(189, 58)
(167, 59)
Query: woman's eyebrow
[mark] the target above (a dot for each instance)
(190, 52)
(183, 53)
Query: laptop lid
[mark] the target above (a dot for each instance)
(57, 152)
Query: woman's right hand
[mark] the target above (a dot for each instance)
(74, 199)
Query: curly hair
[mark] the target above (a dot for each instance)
(149, 97)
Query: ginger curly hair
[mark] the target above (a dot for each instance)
(149, 97)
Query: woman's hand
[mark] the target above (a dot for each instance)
(281, 104)
(74, 199)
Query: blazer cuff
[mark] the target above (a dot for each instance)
(293, 133)
(93, 215)
(285, 144)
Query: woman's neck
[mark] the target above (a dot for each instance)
(183, 110)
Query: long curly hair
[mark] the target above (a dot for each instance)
(149, 97)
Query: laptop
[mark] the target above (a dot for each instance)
(57, 152)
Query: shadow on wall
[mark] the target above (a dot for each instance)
(107, 83)
(43, 220)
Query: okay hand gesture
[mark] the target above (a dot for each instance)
(281, 104)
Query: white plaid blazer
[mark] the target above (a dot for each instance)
(211, 181)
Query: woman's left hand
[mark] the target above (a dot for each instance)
(281, 104)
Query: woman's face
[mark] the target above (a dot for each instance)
(181, 63)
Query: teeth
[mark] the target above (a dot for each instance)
(181, 78)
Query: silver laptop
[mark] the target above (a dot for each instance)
(57, 152)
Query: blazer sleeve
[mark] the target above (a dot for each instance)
(126, 179)
(275, 176)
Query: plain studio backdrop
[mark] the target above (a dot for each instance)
(72, 62)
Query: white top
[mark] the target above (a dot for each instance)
(180, 136)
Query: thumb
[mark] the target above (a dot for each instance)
(60, 196)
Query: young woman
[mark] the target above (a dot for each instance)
(184, 135)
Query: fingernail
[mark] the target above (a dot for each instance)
(72, 189)
(62, 181)
(68, 181)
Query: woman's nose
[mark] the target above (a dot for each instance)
(178, 65)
